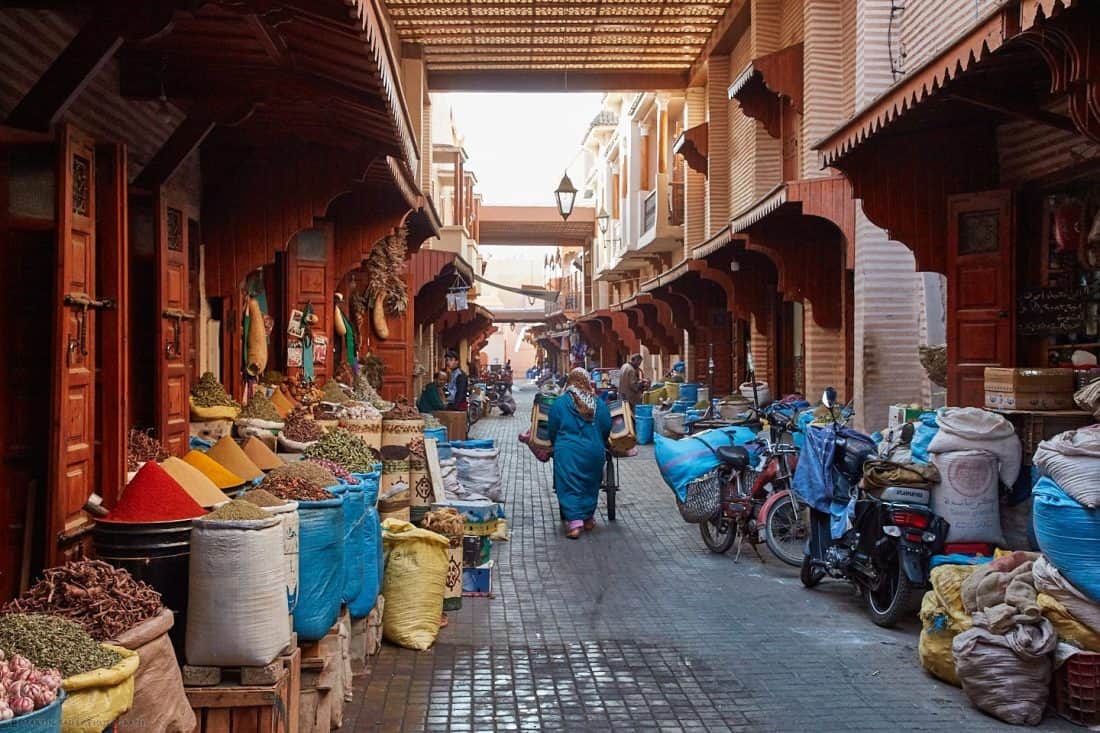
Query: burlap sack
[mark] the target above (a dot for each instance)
(160, 703)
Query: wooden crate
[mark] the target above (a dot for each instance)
(1033, 427)
(228, 708)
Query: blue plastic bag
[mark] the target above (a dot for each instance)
(362, 604)
(922, 436)
(682, 461)
(320, 567)
(1069, 535)
(354, 567)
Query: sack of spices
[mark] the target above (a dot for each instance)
(237, 608)
(320, 567)
(372, 550)
(354, 559)
(160, 702)
(416, 579)
(96, 699)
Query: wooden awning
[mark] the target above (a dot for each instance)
(692, 144)
(768, 83)
(979, 49)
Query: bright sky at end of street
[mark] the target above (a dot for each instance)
(519, 144)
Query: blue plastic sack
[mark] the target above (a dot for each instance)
(320, 567)
(683, 461)
(1069, 535)
(956, 558)
(481, 444)
(362, 604)
(352, 511)
(440, 434)
(926, 429)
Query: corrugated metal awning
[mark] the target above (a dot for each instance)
(712, 245)
(769, 203)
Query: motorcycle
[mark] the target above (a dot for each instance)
(885, 548)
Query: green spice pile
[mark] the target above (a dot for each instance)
(142, 447)
(300, 428)
(294, 488)
(260, 408)
(331, 392)
(237, 510)
(103, 599)
(344, 448)
(262, 498)
(51, 641)
(208, 392)
(307, 470)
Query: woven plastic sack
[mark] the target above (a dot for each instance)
(372, 576)
(936, 635)
(1072, 460)
(320, 567)
(160, 702)
(1006, 676)
(968, 496)
(96, 699)
(1069, 536)
(237, 609)
(220, 412)
(683, 461)
(1066, 626)
(415, 581)
(478, 471)
(354, 539)
(1088, 398)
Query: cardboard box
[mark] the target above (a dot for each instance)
(901, 414)
(478, 581)
(1028, 389)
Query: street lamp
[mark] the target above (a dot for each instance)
(603, 219)
(566, 194)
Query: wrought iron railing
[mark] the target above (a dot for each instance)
(649, 212)
(675, 203)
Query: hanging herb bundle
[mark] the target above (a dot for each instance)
(373, 369)
(384, 266)
(208, 392)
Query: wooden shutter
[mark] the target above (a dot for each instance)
(72, 430)
(175, 326)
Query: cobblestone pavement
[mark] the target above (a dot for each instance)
(637, 627)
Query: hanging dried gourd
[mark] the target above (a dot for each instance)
(256, 358)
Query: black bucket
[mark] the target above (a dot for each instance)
(158, 553)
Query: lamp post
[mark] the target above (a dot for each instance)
(603, 219)
(566, 194)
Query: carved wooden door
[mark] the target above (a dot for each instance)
(310, 280)
(72, 431)
(175, 326)
(980, 292)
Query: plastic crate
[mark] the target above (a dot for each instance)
(1077, 689)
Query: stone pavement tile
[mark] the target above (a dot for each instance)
(637, 627)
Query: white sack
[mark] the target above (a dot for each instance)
(1072, 460)
(1048, 580)
(968, 496)
(1006, 676)
(237, 613)
(972, 428)
(479, 472)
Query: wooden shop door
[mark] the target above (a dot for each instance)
(175, 329)
(310, 280)
(980, 292)
(72, 474)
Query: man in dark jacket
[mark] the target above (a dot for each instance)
(458, 384)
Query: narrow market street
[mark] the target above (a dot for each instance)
(637, 627)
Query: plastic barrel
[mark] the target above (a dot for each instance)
(689, 392)
(643, 411)
(158, 553)
(644, 427)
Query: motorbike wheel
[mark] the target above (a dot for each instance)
(894, 598)
(810, 575)
(714, 538)
(786, 528)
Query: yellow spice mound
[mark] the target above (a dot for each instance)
(204, 491)
(222, 477)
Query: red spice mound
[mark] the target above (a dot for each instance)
(154, 496)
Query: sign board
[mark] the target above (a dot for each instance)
(1049, 311)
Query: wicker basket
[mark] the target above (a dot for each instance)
(703, 496)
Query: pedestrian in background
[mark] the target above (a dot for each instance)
(630, 381)
(579, 427)
(458, 384)
(434, 396)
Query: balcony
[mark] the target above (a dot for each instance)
(662, 217)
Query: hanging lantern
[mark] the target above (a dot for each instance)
(566, 195)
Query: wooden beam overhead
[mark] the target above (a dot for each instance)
(734, 22)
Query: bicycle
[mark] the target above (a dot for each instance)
(610, 484)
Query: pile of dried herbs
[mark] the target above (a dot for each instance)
(262, 498)
(103, 599)
(142, 447)
(237, 510)
(294, 488)
(332, 392)
(301, 428)
(308, 470)
(52, 641)
(208, 392)
(260, 408)
(344, 448)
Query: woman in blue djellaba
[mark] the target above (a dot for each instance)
(579, 427)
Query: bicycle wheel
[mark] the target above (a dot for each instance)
(611, 492)
(610, 485)
(786, 528)
(718, 534)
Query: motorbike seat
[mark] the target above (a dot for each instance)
(906, 495)
(733, 455)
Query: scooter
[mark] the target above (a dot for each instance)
(888, 540)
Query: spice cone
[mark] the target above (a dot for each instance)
(222, 477)
(194, 482)
(261, 455)
(154, 496)
(229, 454)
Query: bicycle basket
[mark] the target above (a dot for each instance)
(703, 495)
